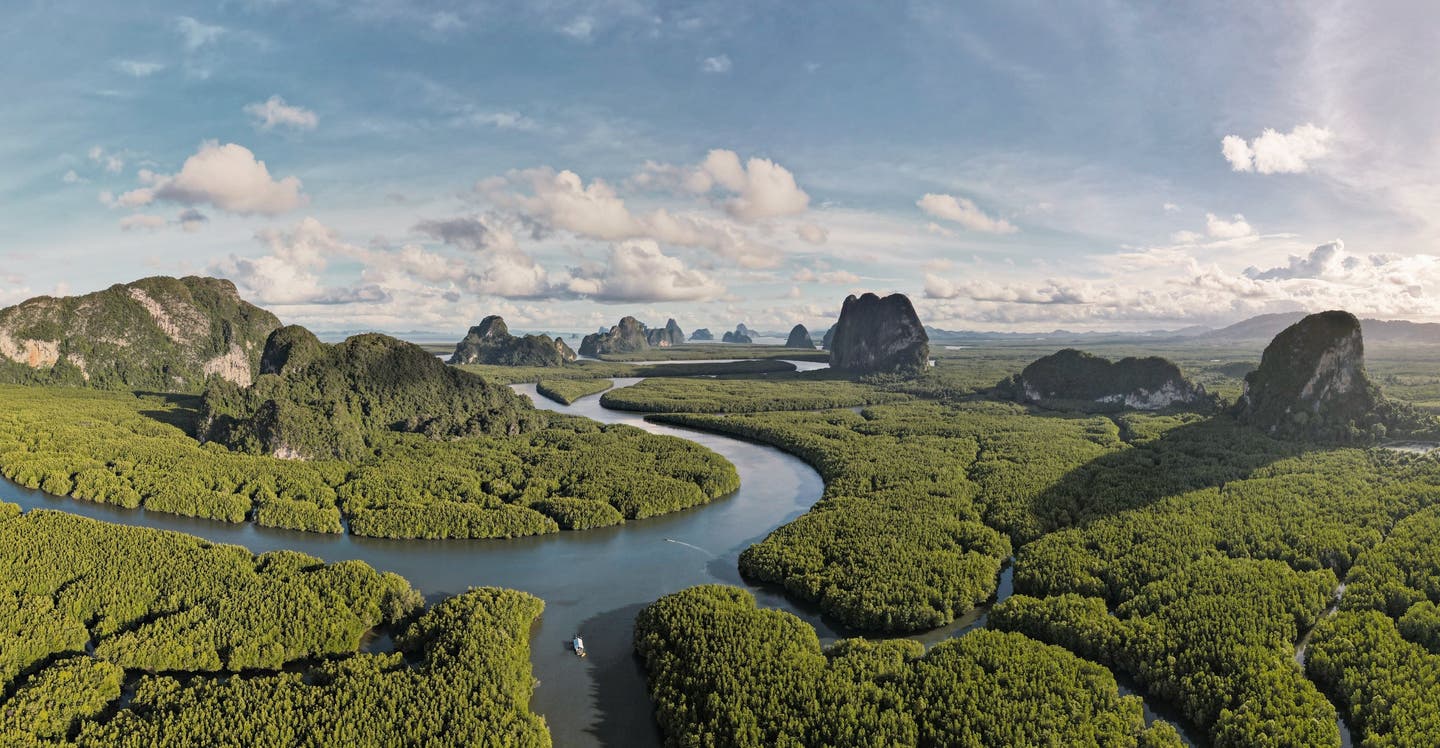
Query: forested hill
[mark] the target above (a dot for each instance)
(318, 401)
(155, 333)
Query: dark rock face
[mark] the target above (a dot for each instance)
(666, 336)
(160, 333)
(335, 400)
(626, 337)
(703, 334)
(829, 338)
(741, 335)
(490, 342)
(800, 338)
(876, 335)
(1312, 384)
(1072, 378)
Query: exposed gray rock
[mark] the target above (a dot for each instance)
(490, 342)
(627, 337)
(800, 338)
(1079, 380)
(877, 335)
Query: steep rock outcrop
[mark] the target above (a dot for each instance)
(875, 335)
(664, 337)
(155, 333)
(334, 400)
(1312, 384)
(829, 338)
(741, 335)
(702, 335)
(800, 338)
(490, 342)
(627, 337)
(1076, 379)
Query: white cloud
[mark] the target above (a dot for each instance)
(229, 177)
(1275, 152)
(1220, 228)
(760, 188)
(196, 34)
(192, 220)
(142, 221)
(113, 163)
(138, 68)
(964, 212)
(834, 277)
(811, 233)
(717, 64)
(562, 200)
(638, 271)
(1170, 207)
(70, 177)
(289, 274)
(274, 112)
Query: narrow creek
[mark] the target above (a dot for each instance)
(593, 582)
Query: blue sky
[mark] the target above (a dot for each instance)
(417, 165)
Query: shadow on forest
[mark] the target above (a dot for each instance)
(626, 716)
(183, 413)
(1194, 456)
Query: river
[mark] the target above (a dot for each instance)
(593, 582)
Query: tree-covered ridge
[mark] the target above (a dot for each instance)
(571, 474)
(335, 402)
(490, 342)
(780, 392)
(905, 538)
(724, 673)
(1379, 657)
(1073, 378)
(158, 333)
(94, 610)
(567, 391)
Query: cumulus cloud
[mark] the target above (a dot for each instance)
(1219, 228)
(192, 220)
(562, 200)
(290, 273)
(812, 234)
(228, 177)
(142, 221)
(1331, 262)
(70, 177)
(716, 65)
(1275, 152)
(757, 189)
(964, 212)
(138, 68)
(637, 271)
(112, 163)
(274, 112)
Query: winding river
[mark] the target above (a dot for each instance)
(593, 582)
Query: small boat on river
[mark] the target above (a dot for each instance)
(578, 645)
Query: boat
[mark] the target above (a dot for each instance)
(578, 645)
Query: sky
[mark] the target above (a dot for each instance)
(1025, 166)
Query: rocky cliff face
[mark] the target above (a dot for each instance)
(1312, 384)
(740, 335)
(666, 336)
(319, 401)
(157, 333)
(800, 338)
(1079, 380)
(829, 338)
(702, 335)
(877, 335)
(490, 342)
(626, 337)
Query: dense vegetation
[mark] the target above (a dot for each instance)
(906, 538)
(178, 612)
(490, 342)
(604, 369)
(114, 448)
(567, 391)
(160, 333)
(1072, 378)
(626, 337)
(725, 673)
(336, 402)
(803, 392)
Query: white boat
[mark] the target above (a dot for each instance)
(578, 645)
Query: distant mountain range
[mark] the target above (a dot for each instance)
(1261, 328)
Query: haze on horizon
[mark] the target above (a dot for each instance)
(417, 165)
